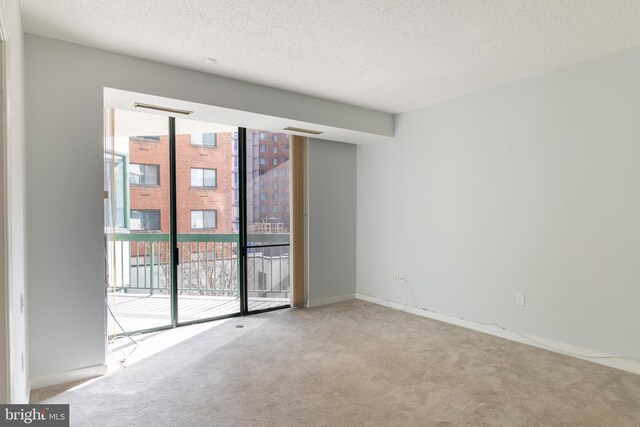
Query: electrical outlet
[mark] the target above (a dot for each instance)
(395, 277)
(520, 299)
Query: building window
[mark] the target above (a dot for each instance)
(274, 172)
(275, 161)
(263, 209)
(274, 149)
(263, 184)
(146, 138)
(263, 161)
(274, 138)
(274, 208)
(117, 192)
(263, 136)
(140, 174)
(274, 184)
(203, 220)
(263, 196)
(263, 148)
(204, 139)
(203, 177)
(274, 196)
(145, 220)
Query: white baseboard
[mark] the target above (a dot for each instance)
(68, 376)
(315, 302)
(544, 343)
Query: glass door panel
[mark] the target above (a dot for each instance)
(136, 170)
(268, 220)
(207, 220)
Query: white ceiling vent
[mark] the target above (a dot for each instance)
(312, 132)
(161, 108)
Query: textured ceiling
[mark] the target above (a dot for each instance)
(388, 55)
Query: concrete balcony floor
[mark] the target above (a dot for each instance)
(136, 311)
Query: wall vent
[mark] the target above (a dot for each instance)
(161, 108)
(312, 132)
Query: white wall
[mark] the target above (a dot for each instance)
(531, 186)
(4, 347)
(13, 170)
(331, 221)
(64, 162)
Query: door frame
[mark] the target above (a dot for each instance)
(5, 345)
(13, 346)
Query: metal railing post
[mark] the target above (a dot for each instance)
(151, 268)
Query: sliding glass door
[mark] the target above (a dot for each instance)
(137, 222)
(196, 221)
(267, 220)
(207, 230)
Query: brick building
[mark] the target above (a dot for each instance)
(269, 210)
(203, 183)
(207, 184)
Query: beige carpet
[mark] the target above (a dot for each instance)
(355, 363)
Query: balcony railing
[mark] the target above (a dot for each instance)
(140, 263)
(266, 227)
